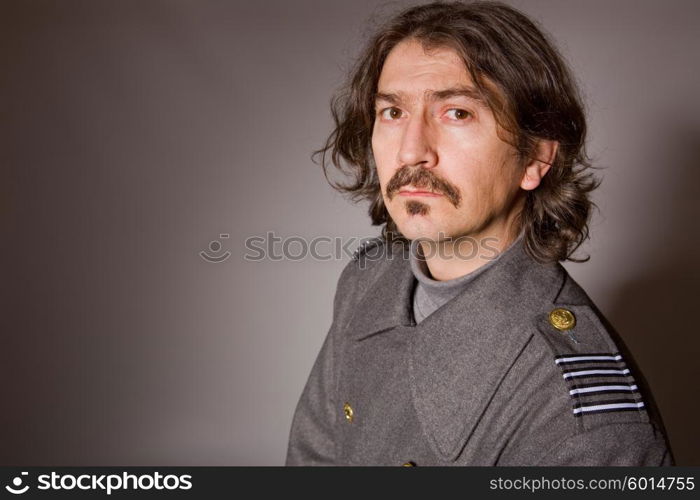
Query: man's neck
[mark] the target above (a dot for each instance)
(450, 259)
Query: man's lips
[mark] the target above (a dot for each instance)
(407, 192)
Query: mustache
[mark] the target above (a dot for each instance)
(422, 178)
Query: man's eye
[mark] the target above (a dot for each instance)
(390, 113)
(458, 114)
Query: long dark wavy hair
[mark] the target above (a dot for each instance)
(532, 95)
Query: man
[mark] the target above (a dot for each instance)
(457, 337)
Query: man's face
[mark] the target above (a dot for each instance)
(443, 170)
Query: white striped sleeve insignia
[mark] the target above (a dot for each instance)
(599, 383)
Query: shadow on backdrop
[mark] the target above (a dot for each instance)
(655, 309)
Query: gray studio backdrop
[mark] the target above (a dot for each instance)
(135, 135)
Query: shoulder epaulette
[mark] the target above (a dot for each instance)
(367, 245)
(601, 384)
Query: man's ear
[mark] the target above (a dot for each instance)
(539, 164)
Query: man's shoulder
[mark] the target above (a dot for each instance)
(591, 362)
(571, 323)
(371, 245)
(373, 252)
(587, 396)
(373, 255)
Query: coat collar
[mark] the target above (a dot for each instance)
(462, 351)
(388, 302)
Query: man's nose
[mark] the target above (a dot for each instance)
(417, 145)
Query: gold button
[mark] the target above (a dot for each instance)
(409, 464)
(562, 319)
(347, 409)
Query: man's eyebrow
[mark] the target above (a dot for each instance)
(469, 92)
(434, 95)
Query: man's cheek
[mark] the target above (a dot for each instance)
(384, 176)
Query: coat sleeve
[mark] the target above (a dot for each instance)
(312, 440)
(624, 444)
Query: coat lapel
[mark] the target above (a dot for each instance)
(388, 302)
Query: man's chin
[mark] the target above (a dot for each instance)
(422, 230)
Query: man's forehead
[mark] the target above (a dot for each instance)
(411, 73)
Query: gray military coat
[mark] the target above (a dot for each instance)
(490, 378)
